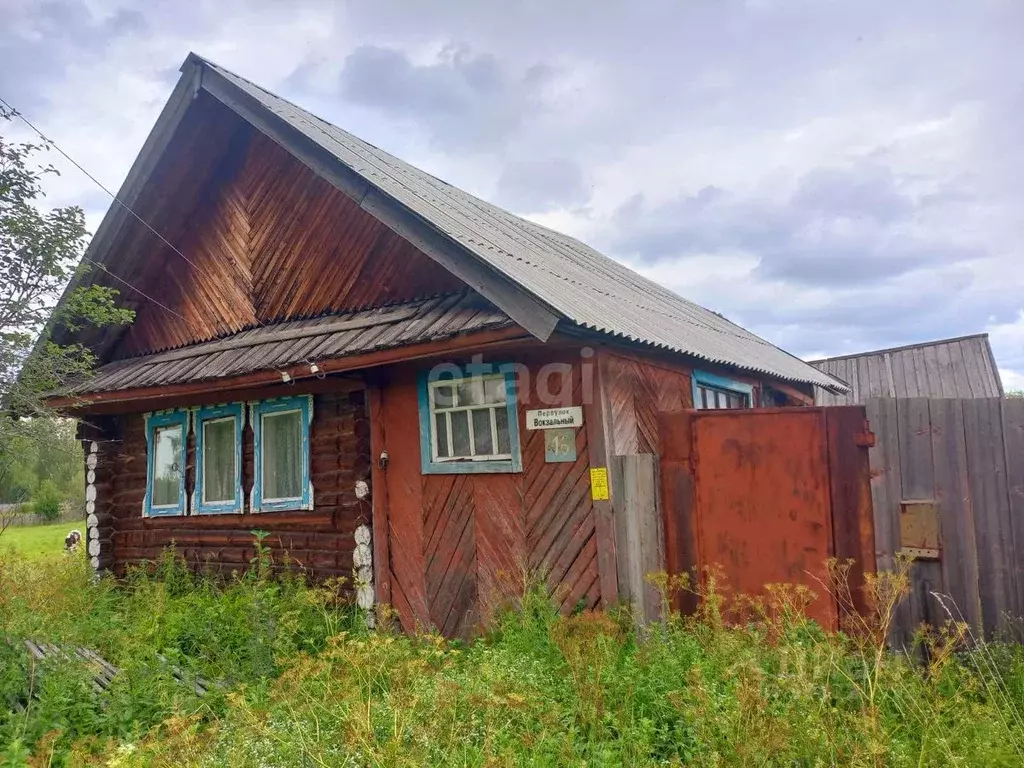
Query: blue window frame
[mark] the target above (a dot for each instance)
(468, 420)
(166, 437)
(218, 488)
(281, 446)
(711, 392)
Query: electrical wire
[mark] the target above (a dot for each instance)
(51, 143)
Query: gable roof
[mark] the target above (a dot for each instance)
(537, 276)
(959, 367)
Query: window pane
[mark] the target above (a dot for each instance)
(723, 400)
(482, 432)
(441, 430)
(282, 455)
(443, 397)
(501, 420)
(494, 390)
(471, 392)
(166, 466)
(219, 460)
(460, 433)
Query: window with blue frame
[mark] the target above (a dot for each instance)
(711, 392)
(281, 444)
(218, 488)
(166, 435)
(468, 421)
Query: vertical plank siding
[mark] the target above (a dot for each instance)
(968, 456)
(463, 545)
(320, 541)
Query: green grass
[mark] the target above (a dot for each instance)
(307, 684)
(36, 541)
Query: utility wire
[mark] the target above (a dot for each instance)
(50, 142)
(137, 290)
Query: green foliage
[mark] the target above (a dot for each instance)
(40, 250)
(47, 500)
(38, 451)
(307, 684)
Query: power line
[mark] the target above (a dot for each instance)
(137, 290)
(94, 180)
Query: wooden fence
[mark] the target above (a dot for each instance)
(947, 483)
(74, 515)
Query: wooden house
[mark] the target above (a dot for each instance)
(394, 378)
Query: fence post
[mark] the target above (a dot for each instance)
(639, 532)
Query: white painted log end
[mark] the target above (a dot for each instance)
(94, 548)
(362, 534)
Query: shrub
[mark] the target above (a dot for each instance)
(47, 501)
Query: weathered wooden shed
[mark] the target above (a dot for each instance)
(960, 367)
(394, 378)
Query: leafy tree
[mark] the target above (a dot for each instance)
(40, 251)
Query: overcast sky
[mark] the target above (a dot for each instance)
(836, 176)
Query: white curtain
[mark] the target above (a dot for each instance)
(282, 455)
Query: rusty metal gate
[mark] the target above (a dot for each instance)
(769, 495)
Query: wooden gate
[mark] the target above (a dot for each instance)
(769, 495)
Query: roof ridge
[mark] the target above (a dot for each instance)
(901, 348)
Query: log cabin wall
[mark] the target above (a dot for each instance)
(269, 240)
(320, 540)
(460, 544)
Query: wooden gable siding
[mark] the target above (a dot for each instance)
(269, 240)
(320, 540)
(461, 544)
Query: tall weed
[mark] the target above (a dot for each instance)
(742, 681)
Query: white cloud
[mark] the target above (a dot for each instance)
(913, 110)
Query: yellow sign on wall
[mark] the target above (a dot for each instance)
(599, 483)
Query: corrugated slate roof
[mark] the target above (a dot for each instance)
(962, 367)
(281, 345)
(580, 284)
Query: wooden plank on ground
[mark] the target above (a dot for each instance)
(956, 514)
(986, 468)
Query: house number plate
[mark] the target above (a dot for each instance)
(559, 445)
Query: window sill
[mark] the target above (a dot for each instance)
(282, 506)
(218, 511)
(163, 513)
(506, 466)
